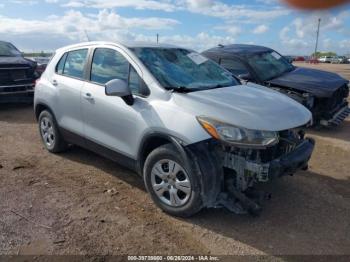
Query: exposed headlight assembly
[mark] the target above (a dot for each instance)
(238, 136)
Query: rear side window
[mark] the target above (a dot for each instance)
(108, 64)
(74, 63)
(234, 66)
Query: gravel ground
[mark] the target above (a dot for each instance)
(80, 203)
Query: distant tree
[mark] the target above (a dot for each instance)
(319, 54)
(41, 54)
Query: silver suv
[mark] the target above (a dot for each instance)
(197, 136)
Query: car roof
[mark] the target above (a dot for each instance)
(118, 44)
(237, 49)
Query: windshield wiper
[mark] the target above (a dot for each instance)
(217, 86)
(181, 89)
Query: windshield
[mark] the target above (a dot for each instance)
(7, 49)
(269, 65)
(180, 69)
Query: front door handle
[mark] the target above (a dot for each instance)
(54, 82)
(88, 96)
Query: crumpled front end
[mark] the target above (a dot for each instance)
(17, 83)
(333, 110)
(239, 170)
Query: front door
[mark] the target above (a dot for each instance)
(108, 120)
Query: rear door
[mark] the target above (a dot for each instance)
(69, 80)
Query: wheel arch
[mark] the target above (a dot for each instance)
(152, 141)
(39, 107)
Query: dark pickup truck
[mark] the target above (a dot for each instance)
(17, 75)
(323, 93)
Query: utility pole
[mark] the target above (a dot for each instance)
(157, 38)
(318, 32)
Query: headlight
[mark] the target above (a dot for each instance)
(237, 135)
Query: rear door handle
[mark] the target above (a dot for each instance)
(54, 82)
(88, 96)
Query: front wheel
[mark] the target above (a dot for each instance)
(173, 186)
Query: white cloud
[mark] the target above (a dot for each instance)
(232, 30)
(138, 4)
(260, 29)
(199, 42)
(212, 8)
(307, 26)
(291, 45)
(241, 13)
(73, 22)
(73, 4)
(24, 2)
(345, 44)
(51, 1)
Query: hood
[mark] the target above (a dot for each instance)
(15, 61)
(317, 82)
(252, 107)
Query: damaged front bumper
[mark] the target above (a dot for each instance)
(285, 165)
(338, 117)
(23, 93)
(229, 174)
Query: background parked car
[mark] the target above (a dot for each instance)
(41, 63)
(339, 60)
(299, 59)
(17, 75)
(324, 93)
(326, 59)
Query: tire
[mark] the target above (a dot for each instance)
(50, 134)
(177, 193)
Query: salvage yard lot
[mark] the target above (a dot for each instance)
(80, 203)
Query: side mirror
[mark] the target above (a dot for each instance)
(245, 77)
(118, 87)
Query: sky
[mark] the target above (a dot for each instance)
(36, 25)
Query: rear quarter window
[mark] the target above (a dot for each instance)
(60, 65)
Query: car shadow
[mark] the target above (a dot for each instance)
(86, 157)
(308, 214)
(17, 113)
(305, 215)
(341, 132)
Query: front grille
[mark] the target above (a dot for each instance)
(338, 97)
(13, 76)
(288, 141)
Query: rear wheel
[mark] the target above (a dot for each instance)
(172, 185)
(50, 134)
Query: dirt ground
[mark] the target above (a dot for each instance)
(80, 203)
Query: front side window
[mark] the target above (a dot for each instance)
(75, 63)
(269, 65)
(179, 69)
(234, 66)
(108, 64)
